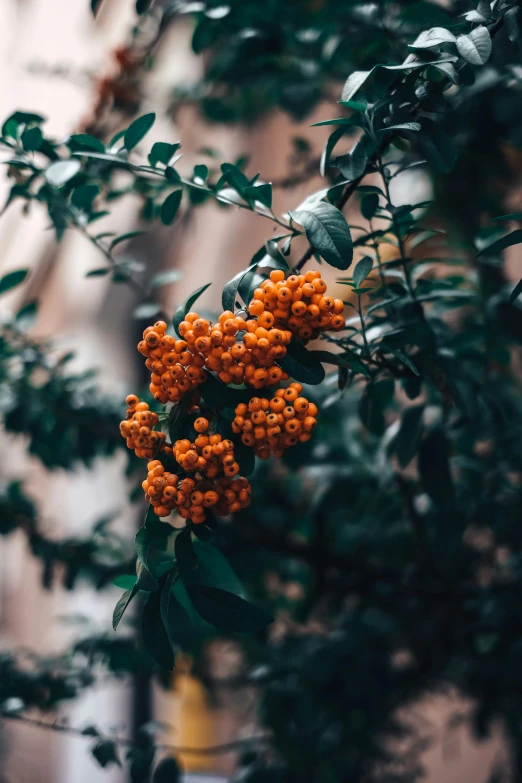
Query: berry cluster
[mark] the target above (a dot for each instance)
(271, 426)
(138, 429)
(240, 351)
(190, 497)
(299, 304)
(175, 369)
(209, 454)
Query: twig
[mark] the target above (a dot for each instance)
(210, 750)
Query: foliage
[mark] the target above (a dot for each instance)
(392, 538)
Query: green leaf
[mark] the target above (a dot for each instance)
(143, 5)
(403, 357)
(10, 126)
(227, 611)
(218, 395)
(245, 456)
(26, 315)
(137, 130)
(433, 37)
(515, 293)
(151, 547)
(32, 139)
(514, 238)
(185, 308)
(230, 291)
(408, 126)
(85, 140)
(362, 270)
(328, 233)
(435, 470)
(213, 570)
(261, 193)
(126, 581)
(83, 196)
(122, 605)
(154, 635)
(437, 147)
(176, 619)
(165, 278)
(353, 84)
(124, 238)
(95, 4)
(353, 164)
(328, 149)
(340, 120)
(235, 177)
(106, 752)
(167, 771)
(61, 171)
(475, 48)
(12, 279)
(186, 558)
(375, 398)
(170, 207)
(162, 152)
(511, 23)
(512, 216)
(369, 204)
(302, 365)
(406, 442)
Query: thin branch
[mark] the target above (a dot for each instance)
(210, 750)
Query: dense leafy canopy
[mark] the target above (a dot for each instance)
(392, 538)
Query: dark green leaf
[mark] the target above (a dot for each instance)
(85, 140)
(235, 177)
(434, 468)
(12, 279)
(26, 315)
(230, 291)
(170, 207)
(213, 570)
(105, 752)
(185, 556)
(227, 611)
(406, 442)
(511, 23)
(218, 395)
(83, 196)
(375, 398)
(185, 308)
(362, 270)
(433, 37)
(437, 147)
(155, 638)
(245, 456)
(328, 233)
(302, 364)
(475, 48)
(328, 149)
(408, 126)
(32, 139)
(122, 604)
(261, 193)
(124, 238)
(514, 238)
(137, 130)
(162, 152)
(515, 293)
(403, 357)
(126, 581)
(143, 5)
(167, 771)
(176, 619)
(369, 204)
(95, 4)
(353, 164)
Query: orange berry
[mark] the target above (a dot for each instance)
(277, 275)
(201, 424)
(309, 423)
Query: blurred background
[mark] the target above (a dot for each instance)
(86, 74)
